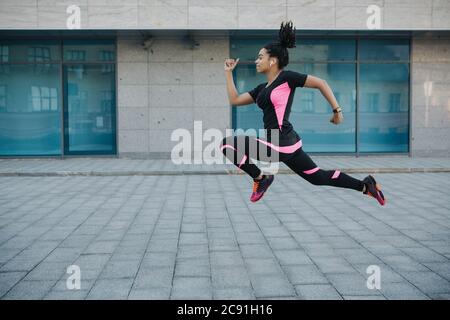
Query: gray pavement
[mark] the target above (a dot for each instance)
(139, 232)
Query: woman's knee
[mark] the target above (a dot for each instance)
(224, 141)
(227, 143)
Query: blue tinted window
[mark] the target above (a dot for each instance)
(90, 112)
(388, 50)
(383, 92)
(246, 49)
(323, 50)
(383, 107)
(91, 51)
(30, 109)
(31, 98)
(306, 49)
(29, 51)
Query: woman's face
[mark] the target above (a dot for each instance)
(263, 61)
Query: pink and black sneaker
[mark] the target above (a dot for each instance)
(260, 187)
(373, 189)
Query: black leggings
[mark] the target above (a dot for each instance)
(240, 149)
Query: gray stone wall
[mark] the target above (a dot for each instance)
(430, 127)
(168, 87)
(220, 14)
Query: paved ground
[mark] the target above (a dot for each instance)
(199, 237)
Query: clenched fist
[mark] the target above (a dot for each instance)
(230, 64)
(337, 118)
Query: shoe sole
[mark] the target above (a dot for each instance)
(381, 199)
(379, 196)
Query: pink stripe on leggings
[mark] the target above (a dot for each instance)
(286, 149)
(311, 171)
(227, 146)
(336, 174)
(243, 160)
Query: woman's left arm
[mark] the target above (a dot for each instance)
(322, 85)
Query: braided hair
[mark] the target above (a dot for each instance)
(286, 39)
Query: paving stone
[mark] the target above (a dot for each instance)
(110, 289)
(153, 277)
(150, 294)
(29, 290)
(256, 251)
(194, 288)
(8, 280)
(333, 265)
(188, 269)
(47, 271)
(271, 285)
(305, 274)
(263, 266)
(428, 282)
(402, 291)
(351, 285)
(233, 294)
(225, 277)
(317, 292)
(120, 269)
(67, 295)
(226, 258)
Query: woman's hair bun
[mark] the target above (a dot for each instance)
(286, 35)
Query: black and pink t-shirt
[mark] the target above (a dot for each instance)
(275, 101)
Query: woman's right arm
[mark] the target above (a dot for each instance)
(233, 96)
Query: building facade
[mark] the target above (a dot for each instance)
(116, 78)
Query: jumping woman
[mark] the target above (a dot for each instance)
(275, 99)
